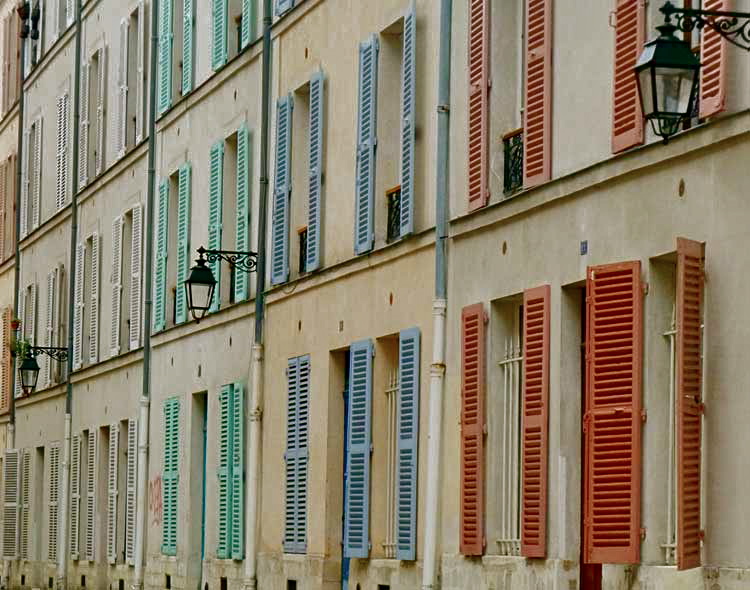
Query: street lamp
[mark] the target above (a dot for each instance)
(29, 369)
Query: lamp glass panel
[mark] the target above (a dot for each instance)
(673, 89)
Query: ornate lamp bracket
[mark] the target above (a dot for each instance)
(733, 26)
(245, 261)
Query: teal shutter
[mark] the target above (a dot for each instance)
(282, 6)
(183, 240)
(188, 51)
(225, 435)
(238, 473)
(407, 443)
(408, 107)
(160, 272)
(215, 207)
(165, 55)
(248, 22)
(243, 208)
(296, 456)
(357, 500)
(219, 34)
(282, 192)
(316, 171)
(170, 476)
(231, 473)
(364, 232)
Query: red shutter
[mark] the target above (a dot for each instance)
(689, 401)
(535, 411)
(714, 71)
(627, 123)
(472, 429)
(6, 362)
(614, 349)
(537, 161)
(479, 91)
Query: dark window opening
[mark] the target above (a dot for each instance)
(393, 197)
(83, 581)
(291, 585)
(121, 584)
(223, 583)
(23, 580)
(302, 250)
(512, 161)
(50, 582)
(168, 581)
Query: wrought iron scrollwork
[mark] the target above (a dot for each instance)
(245, 261)
(733, 26)
(55, 353)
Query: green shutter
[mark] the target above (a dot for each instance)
(165, 55)
(248, 22)
(231, 472)
(187, 46)
(219, 34)
(225, 435)
(243, 208)
(160, 272)
(238, 473)
(183, 240)
(170, 476)
(215, 206)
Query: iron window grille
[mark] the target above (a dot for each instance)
(513, 161)
(393, 197)
(303, 250)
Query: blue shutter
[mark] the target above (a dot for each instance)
(408, 105)
(290, 458)
(237, 508)
(243, 207)
(282, 6)
(160, 278)
(219, 34)
(303, 410)
(183, 240)
(364, 232)
(317, 85)
(407, 444)
(225, 435)
(215, 207)
(282, 192)
(165, 55)
(357, 500)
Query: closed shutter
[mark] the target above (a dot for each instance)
(282, 6)
(165, 56)
(131, 491)
(219, 34)
(122, 89)
(54, 501)
(83, 128)
(282, 192)
(5, 172)
(23, 535)
(479, 98)
(188, 34)
(225, 490)
(183, 240)
(75, 497)
(357, 498)
(408, 120)
(62, 152)
(171, 475)
(237, 474)
(690, 260)
(49, 324)
(11, 489)
(713, 83)
(18, 392)
(367, 127)
(315, 204)
(215, 209)
(630, 35)
(31, 314)
(160, 271)
(101, 118)
(140, 83)
(297, 454)
(96, 246)
(136, 265)
(116, 283)
(408, 444)
(612, 424)
(243, 207)
(535, 395)
(248, 22)
(69, 12)
(78, 308)
(290, 459)
(112, 491)
(231, 473)
(537, 142)
(92, 462)
(25, 176)
(36, 195)
(6, 365)
(473, 358)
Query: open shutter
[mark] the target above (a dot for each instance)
(70, 14)
(37, 173)
(219, 34)
(237, 474)
(171, 475)
(131, 491)
(78, 309)
(473, 358)
(116, 283)
(160, 272)
(31, 311)
(408, 443)
(215, 207)
(165, 56)
(243, 208)
(282, 6)
(367, 127)
(248, 22)
(357, 497)
(25, 176)
(408, 120)
(183, 240)
(136, 264)
(101, 118)
(25, 498)
(317, 113)
(5, 173)
(54, 501)
(91, 487)
(6, 364)
(49, 327)
(612, 424)
(479, 99)
(282, 192)
(713, 83)
(122, 88)
(290, 458)
(83, 128)
(11, 484)
(689, 381)
(537, 143)
(225, 490)
(75, 497)
(188, 34)
(535, 395)
(140, 83)
(17, 391)
(112, 491)
(60, 159)
(630, 35)
(94, 300)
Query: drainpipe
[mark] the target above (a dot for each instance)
(145, 402)
(440, 303)
(256, 407)
(64, 522)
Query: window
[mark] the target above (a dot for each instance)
(127, 239)
(393, 197)
(131, 68)
(92, 137)
(31, 184)
(35, 47)
(54, 336)
(63, 14)
(302, 247)
(176, 30)
(86, 301)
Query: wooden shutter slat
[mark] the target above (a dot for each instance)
(479, 97)
(630, 35)
(713, 84)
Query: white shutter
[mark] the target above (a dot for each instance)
(78, 309)
(66, 149)
(94, 299)
(60, 155)
(136, 265)
(50, 323)
(31, 312)
(75, 496)
(130, 498)
(122, 90)
(70, 13)
(56, 21)
(100, 107)
(21, 316)
(114, 449)
(116, 282)
(83, 127)
(140, 83)
(54, 497)
(23, 537)
(11, 488)
(91, 462)
(24, 229)
(37, 178)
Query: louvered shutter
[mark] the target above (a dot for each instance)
(408, 119)
(96, 246)
(51, 320)
(160, 271)
(689, 381)
(83, 128)
(237, 475)
(713, 83)
(101, 106)
(243, 207)
(66, 149)
(5, 172)
(18, 392)
(75, 497)
(54, 501)
(25, 176)
(357, 498)
(317, 114)
(6, 365)
(473, 379)
(282, 192)
(116, 283)
(215, 207)
(290, 458)
(248, 22)
(91, 487)
(367, 127)
(78, 308)
(11, 489)
(171, 475)
(122, 89)
(31, 313)
(60, 155)
(534, 433)
(612, 424)
(183, 240)
(630, 35)
(165, 56)
(131, 491)
(225, 490)
(188, 34)
(219, 34)
(537, 141)
(37, 173)
(407, 442)
(23, 535)
(136, 264)
(69, 12)
(282, 6)
(479, 98)
(140, 83)
(112, 491)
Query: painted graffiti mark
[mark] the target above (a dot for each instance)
(155, 506)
